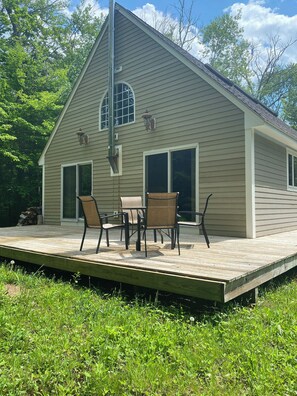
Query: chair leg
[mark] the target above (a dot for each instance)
(161, 236)
(177, 238)
(83, 238)
(173, 237)
(99, 240)
(107, 237)
(205, 234)
(145, 243)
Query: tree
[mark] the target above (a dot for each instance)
(226, 50)
(290, 101)
(185, 27)
(259, 71)
(42, 52)
(182, 30)
(271, 79)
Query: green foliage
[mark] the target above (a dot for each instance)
(290, 100)
(226, 49)
(42, 52)
(258, 71)
(59, 338)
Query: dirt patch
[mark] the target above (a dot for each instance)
(12, 290)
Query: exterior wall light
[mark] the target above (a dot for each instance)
(149, 121)
(83, 138)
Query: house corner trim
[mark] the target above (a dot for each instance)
(250, 183)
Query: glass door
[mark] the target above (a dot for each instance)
(77, 180)
(183, 179)
(174, 170)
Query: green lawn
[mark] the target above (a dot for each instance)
(60, 338)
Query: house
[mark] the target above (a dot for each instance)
(178, 125)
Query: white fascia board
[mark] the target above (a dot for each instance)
(277, 136)
(76, 85)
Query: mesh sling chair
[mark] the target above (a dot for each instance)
(200, 222)
(93, 219)
(161, 215)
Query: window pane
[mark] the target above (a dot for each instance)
(157, 173)
(122, 106)
(84, 182)
(183, 179)
(85, 179)
(69, 192)
(295, 171)
(104, 113)
(290, 169)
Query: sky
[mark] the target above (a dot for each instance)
(260, 19)
(206, 10)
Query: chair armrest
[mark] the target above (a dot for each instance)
(106, 216)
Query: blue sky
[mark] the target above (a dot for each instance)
(206, 10)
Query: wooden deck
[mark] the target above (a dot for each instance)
(230, 268)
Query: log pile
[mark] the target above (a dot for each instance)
(29, 216)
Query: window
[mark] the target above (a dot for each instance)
(292, 170)
(123, 106)
(77, 180)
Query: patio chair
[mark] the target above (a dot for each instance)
(161, 215)
(126, 204)
(93, 219)
(200, 222)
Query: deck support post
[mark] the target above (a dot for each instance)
(250, 297)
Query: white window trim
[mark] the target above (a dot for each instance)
(102, 99)
(294, 154)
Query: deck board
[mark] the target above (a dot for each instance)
(231, 267)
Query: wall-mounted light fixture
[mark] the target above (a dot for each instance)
(149, 121)
(83, 138)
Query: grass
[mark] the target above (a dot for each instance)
(60, 338)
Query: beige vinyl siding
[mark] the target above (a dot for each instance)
(52, 192)
(188, 112)
(276, 207)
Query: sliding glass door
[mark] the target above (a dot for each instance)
(76, 180)
(173, 170)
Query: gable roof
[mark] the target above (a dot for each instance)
(250, 103)
(247, 100)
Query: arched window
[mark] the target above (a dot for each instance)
(123, 106)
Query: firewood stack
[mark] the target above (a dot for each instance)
(29, 216)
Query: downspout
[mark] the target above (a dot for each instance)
(112, 152)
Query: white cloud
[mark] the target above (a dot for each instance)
(261, 23)
(151, 15)
(165, 23)
(97, 10)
